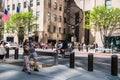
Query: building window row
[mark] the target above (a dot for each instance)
(55, 5)
(24, 4)
(60, 31)
(55, 17)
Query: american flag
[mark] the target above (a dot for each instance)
(6, 16)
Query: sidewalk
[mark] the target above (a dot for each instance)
(59, 72)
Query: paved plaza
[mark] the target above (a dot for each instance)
(56, 72)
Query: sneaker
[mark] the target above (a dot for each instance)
(24, 70)
(29, 72)
(36, 70)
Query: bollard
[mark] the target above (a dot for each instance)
(72, 59)
(7, 52)
(114, 65)
(78, 48)
(16, 53)
(87, 48)
(90, 62)
(56, 59)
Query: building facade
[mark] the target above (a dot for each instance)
(50, 21)
(54, 23)
(88, 5)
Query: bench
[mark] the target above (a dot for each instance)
(55, 55)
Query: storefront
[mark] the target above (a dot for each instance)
(113, 41)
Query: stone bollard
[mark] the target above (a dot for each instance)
(72, 60)
(7, 52)
(114, 65)
(16, 53)
(90, 62)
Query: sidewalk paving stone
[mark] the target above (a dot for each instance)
(59, 72)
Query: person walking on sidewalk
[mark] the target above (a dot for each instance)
(2, 50)
(33, 53)
(26, 53)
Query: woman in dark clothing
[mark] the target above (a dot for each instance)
(26, 53)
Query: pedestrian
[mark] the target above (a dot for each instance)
(33, 53)
(2, 50)
(26, 53)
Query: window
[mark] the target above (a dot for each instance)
(19, 5)
(55, 5)
(49, 16)
(60, 18)
(0, 16)
(0, 22)
(66, 0)
(37, 27)
(108, 3)
(64, 19)
(48, 29)
(38, 2)
(55, 17)
(31, 3)
(37, 14)
(60, 8)
(25, 5)
(8, 7)
(64, 31)
(54, 29)
(59, 29)
(13, 6)
(49, 3)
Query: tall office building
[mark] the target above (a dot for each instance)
(50, 13)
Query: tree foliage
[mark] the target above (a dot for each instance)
(105, 20)
(20, 22)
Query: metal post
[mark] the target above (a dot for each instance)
(114, 65)
(90, 62)
(72, 60)
(56, 59)
(7, 52)
(16, 53)
(87, 48)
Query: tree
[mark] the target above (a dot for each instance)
(105, 20)
(29, 21)
(20, 23)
